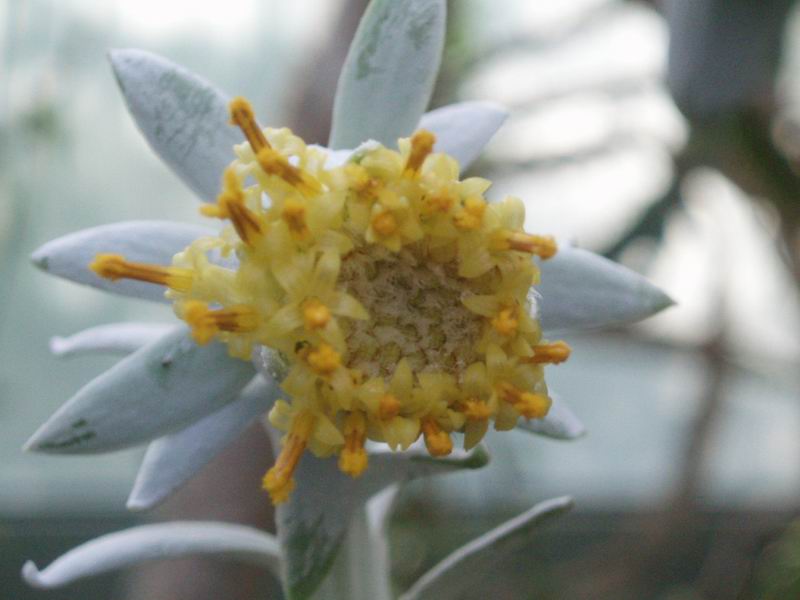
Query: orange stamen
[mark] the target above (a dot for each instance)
(384, 223)
(437, 441)
(530, 405)
(421, 146)
(505, 323)
(353, 458)
(114, 267)
(324, 360)
(315, 314)
(230, 205)
(553, 354)
(543, 246)
(274, 163)
(389, 407)
(475, 410)
(279, 480)
(242, 116)
(294, 215)
(206, 323)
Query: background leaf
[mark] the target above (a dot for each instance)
(471, 565)
(150, 542)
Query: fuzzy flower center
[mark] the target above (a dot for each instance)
(395, 293)
(416, 314)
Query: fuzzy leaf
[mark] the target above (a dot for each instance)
(153, 242)
(581, 290)
(153, 542)
(388, 76)
(362, 568)
(183, 117)
(172, 460)
(560, 423)
(463, 129)
(114, 338)
(312, 525)
(166, 385)
(467, 568)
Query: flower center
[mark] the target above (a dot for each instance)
(396, 294)
(416, 313)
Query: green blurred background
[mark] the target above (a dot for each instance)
(664, 135)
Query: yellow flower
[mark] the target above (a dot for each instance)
(396, 293)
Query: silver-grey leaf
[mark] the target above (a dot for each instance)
(153, 242)
(463, 129)
(388, 76)
(366, 547)
(467, 568)
(172, 460)
(154, 542)
(183, 117)
(560, 423)
(160, 388)
(581, 290)
(113, 338)
(313, 523)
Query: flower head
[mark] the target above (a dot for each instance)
(396, 293)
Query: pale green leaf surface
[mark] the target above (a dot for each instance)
(183, 117)
(463, 129)
(154, 542)
(470, 567)
(389, 73)
(582, 290)
(560, 423)
(172, 460)
(362, 568)
(113, 338)
(165, 385)
(313, 523)
(153, 242)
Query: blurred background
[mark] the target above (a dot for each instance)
(665, 135)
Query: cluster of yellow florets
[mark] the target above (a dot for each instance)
(398, 296)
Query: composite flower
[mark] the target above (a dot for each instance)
(395, 293)
(364, 296)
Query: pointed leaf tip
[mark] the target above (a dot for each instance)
(183, 117)
(153, 242)
(152, 542)
(582, 290)
(388, 76)
(167, 384)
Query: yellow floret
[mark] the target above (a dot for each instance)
(353, 458)
(437, 441)
(279, 480)
(324, 360)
